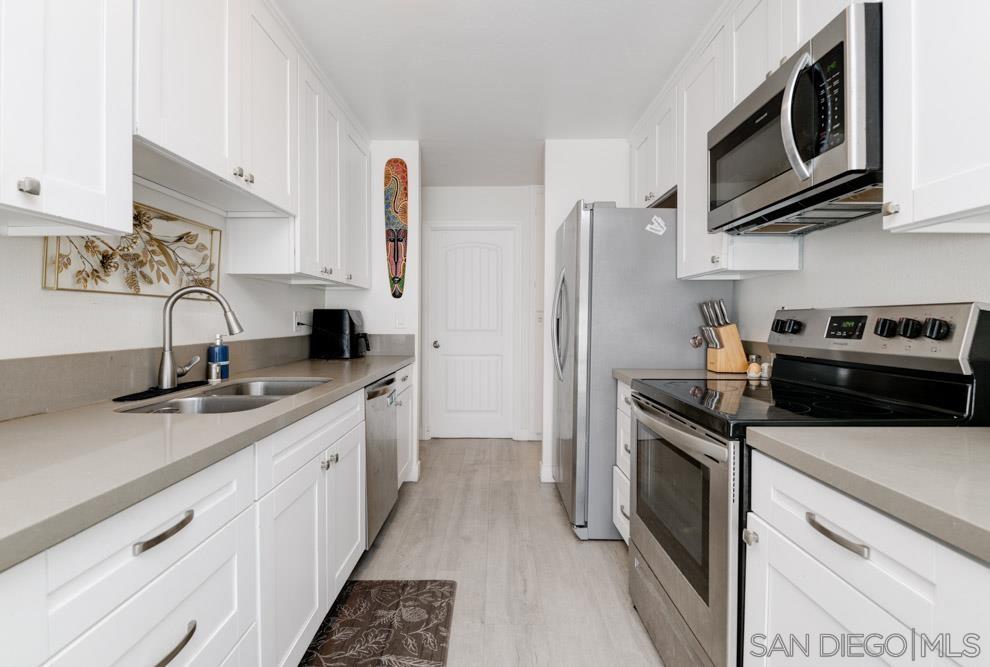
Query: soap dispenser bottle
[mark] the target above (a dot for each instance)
(218, 355)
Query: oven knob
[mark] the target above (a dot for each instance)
(885, 327)
(936, 329)
(777, 326)
(793, 327)
(908, 327)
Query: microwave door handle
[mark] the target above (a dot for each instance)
(687, 442)
(800, 167)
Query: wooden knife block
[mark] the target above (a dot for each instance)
(730, 358)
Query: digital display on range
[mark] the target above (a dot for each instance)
(846, 327)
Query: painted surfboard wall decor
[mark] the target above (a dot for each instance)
(396, 223)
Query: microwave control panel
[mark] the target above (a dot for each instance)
(827, 75)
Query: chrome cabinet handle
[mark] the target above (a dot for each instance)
(626, 447)
(716, 259)
(625, 399)
(29, 186)
(799, 166)
(249, 178)
(890, 208)
(333, 458)
(860, 550)
(238, 172)
(329, 270)
(350, 276)
(404, 378)
(190, 631)
(623, 512)
(436, 345)
(750, 537)
(140, 547)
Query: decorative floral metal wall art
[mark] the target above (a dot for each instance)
(163, 253)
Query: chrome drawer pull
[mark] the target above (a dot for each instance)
(140, 547)
(178, 647)
(625, 446)
(404, 378)
(860, 550)
(623, 512)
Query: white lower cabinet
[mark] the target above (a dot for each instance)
(621, 498)
(291, 564)
(620, 502)
(824, 564)
(405, 412)
(346, 514)
(193, 614)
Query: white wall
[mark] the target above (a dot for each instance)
(521, 206)
(38, 322)
(589, 169)
(383, 313)
(858, 264)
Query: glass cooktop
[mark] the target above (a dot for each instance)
(726, 406)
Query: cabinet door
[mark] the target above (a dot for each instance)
(354, 221)
(789, 593)
(703, 100)
(65, 125)
(345, 498)
(330, 129)
(813, 15)
(309, 218)
(268, 108)
(935, 166)
(185, 78)
(665, 124)
(644, 149)
(404, 415)
(755, 45)
(292, 564)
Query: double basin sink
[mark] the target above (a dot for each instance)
(233, 397)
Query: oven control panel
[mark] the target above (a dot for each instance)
(927, 337)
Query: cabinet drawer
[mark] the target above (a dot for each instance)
(282, 453)
(899, 572)
(620, 502)
(623, 398)
(623, 441)
(93, 572)
(198, 609)
(403, 379)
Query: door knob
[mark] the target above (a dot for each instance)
(436, 345)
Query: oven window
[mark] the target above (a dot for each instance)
(750, 156)
(672, 499)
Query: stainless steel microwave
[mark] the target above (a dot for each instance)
(804, 150)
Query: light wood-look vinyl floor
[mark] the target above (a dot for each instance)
(528, 591)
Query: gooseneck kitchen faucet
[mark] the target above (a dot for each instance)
(168, 372)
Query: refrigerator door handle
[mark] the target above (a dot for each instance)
(558, 364)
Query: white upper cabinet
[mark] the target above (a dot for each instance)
(354, 224)
(268, 107)
(810, 16)
(936, 167)
(311, 217)
(758, 37)
(654, 146)
(65, 116)
(185, 77)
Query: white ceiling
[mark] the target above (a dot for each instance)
(481, 83)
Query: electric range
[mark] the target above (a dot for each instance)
(917, 365)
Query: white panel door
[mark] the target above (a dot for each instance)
(185, 79)
(65, 126)
(347, 529)
(472, 281)
(268, 108)
(292, 564)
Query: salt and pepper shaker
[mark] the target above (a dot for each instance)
(754, 371)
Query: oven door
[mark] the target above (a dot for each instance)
(685, 521)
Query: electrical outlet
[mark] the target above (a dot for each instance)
(303, 316)
(400, 321)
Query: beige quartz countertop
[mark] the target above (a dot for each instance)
(627, 375)
(936, 479)
(63, 472)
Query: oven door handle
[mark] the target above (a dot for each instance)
(677, 436)
(800, 167)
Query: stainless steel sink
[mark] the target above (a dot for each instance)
(265, 387)
(234, 397)
(206, 405)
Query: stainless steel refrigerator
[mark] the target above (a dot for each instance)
(617, 304)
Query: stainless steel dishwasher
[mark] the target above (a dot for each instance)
(382, 474)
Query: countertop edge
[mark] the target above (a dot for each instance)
(35, 539)
(968, 538)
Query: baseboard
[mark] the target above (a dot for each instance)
(546, 472)
(525, 435)
(413, 472)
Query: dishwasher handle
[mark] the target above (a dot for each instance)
(379, 389)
